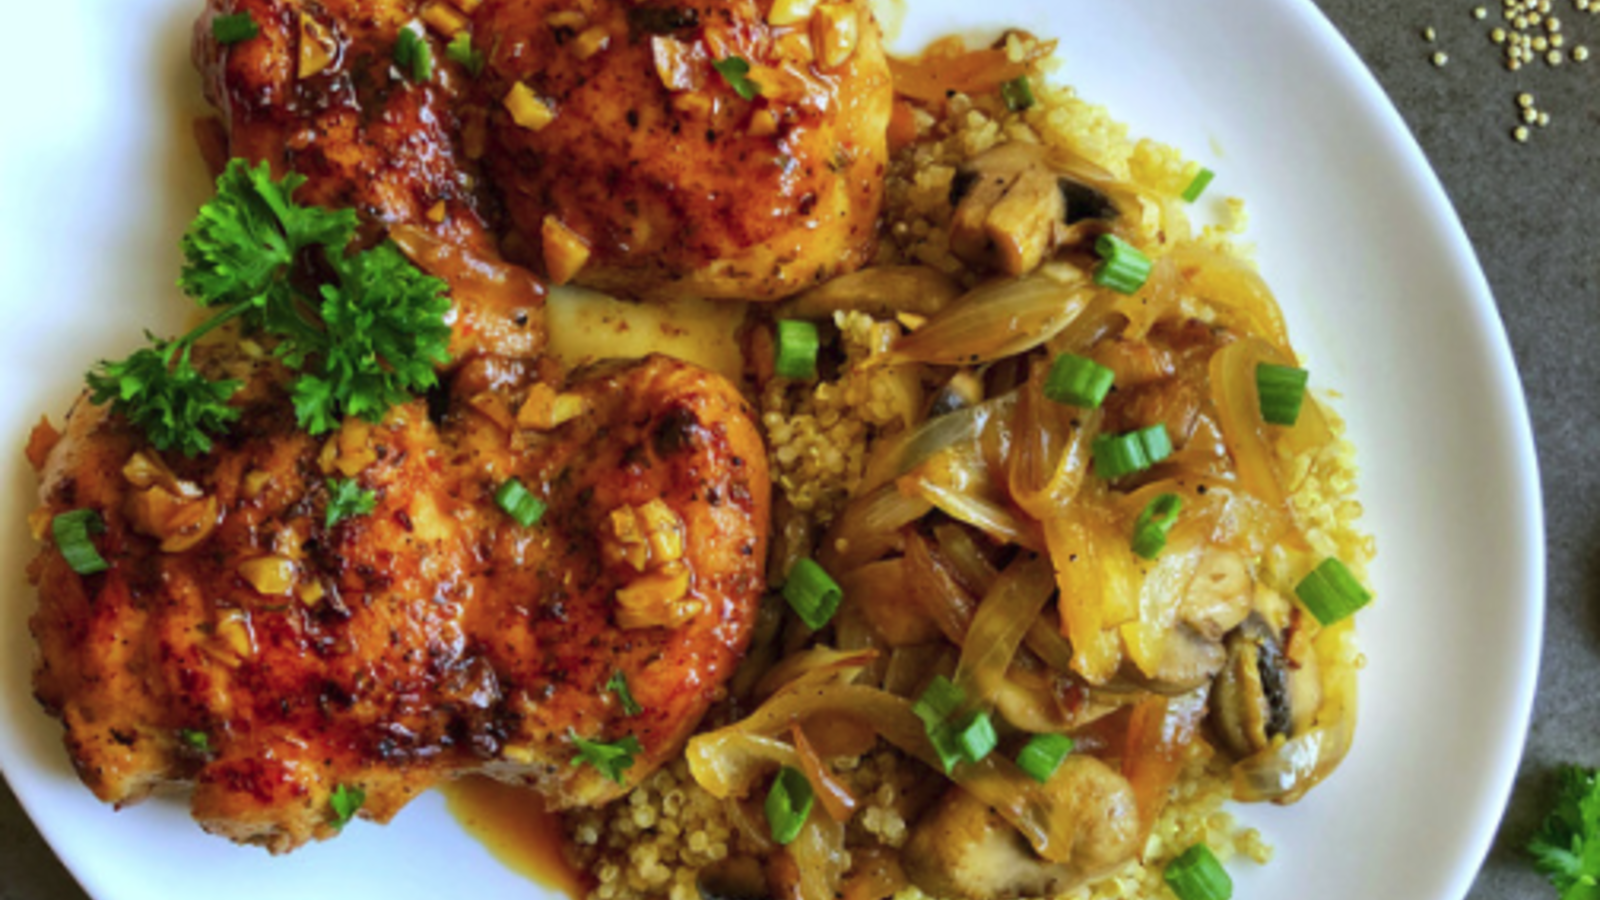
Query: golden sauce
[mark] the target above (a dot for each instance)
(513, 824)
(586, 326)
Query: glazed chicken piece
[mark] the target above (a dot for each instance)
(631, 164)
(249, 641)
(319, 92)
(241, 643)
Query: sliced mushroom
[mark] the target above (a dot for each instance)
(1188, 661)
(965, 849)
(1219, 595)
(1260, 695)
(1012, 210)
(1218, 598)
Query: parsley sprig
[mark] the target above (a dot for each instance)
(364, 331)
(1567, 847)
(348, 499)
(612, 759)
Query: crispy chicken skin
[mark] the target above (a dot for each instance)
(431, 638)
(318, 93)
(677, 184)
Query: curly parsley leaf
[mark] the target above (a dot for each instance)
(612, 759)
(345, 801)
(1567, 846)
(243, 244)
(383, 334)
(363, 331)
(619, 685)
(347, 499)
(159, 390)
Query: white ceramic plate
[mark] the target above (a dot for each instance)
(98, 178)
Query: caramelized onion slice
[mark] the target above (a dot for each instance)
(1004, 616)
(999, 319)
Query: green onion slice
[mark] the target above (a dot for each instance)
(612, 759)
(937, 705)
(1331, 592)
(1202, 180)
(812, 593)
(733, 70)
(1076, 381)
(1122, 268)
(461, 51)
(1282, 390)
(1043, 755)
(789, 804)
(1154, 522)
(345, 801)
(940, 701)
(413, 56)
(978, 738)
(619, 685)
(955, 738)
(1196, 875)
(71, 531)
(1017, 93)
(1119, 455)
(234, 29)
(520, 505)
(797, 349)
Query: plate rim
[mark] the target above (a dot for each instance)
(1402, 146)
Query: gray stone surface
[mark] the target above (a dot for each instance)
(1526, 208)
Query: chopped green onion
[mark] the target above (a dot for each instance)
(789, 804)
(345, 800)
(797, 349)
(413, 56)
(940, 701)
(1157, 518)
(812, 593)
(612, 759)
(1076, 381)
(619, 685)
(1202, 180)
(461, 51)
(1123, 268)
(1282, 390)
(954, 738)
(733, 71)
(1196, 875)
(518, 503)
(1331, 592)
(71, 531)
(978, 738)
(935, 707)
(1135, 451)
(195, 740)
(1017, 93)
(234, 29)
(1043, 755)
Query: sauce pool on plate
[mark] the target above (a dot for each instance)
(513, 824)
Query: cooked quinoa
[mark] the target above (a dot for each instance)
(653, 843)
